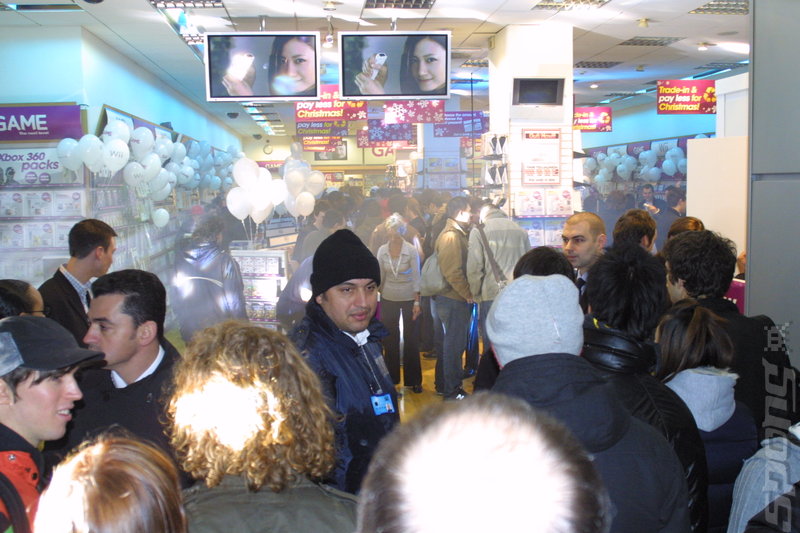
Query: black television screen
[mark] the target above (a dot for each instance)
(394, 65)
(538, 91)
(262, 66)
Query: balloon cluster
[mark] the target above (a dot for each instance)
(604, 167)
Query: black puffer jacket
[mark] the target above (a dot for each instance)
(627, 364)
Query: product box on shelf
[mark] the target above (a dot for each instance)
(39, 235)
(69, 203)
(11, 204)
(12, 235)
(559, 201)
(38, 204)
(530, 202)
(552, 231)
(536, 232)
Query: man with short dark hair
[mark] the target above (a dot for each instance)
(635, 226)
(341, 340)
(676, 208)
(536, 474)
(92, 244)
(649, 200)
(454, 305)
(701, 265)
(131, 390)
(38, 360)
(627, 295)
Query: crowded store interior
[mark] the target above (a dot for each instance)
(343, 266)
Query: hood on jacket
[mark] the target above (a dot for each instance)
(708, 392)
(570, 390)
(612, 350)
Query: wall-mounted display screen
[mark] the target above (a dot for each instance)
(538, 91)
(394, 65)
(262, 66)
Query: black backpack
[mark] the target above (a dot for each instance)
(14, 506)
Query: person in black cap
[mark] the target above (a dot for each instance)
(341, 341)
(38, 360)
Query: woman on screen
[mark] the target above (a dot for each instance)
(423, 68)
(291, 69)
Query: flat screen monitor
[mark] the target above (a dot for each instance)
(394, 65)
(257, 66)
(538, 91)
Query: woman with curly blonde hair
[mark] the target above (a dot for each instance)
(248, 419)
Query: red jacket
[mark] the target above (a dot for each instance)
(22, 468)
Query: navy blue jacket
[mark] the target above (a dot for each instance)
(350, 376)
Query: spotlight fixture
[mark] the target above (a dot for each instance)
(233, 114)
(640, 68)
(329, 5)
(702, 47)
(593, 86)
(328, 42)
(643, 23)
(257, 136)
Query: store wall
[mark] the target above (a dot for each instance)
(733, 113)
(643, 123)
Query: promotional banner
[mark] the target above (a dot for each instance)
(362, 141)
(686, 97)
(37, 123)
(335, 128)
(320, 144)
(596, 119)
(35, 166)
(414, 111)
(462, 124)
(380, 131)
(542, 151)
(329, 107)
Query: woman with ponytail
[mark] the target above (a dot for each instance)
(696, 354)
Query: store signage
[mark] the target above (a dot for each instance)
(414, 112)
(541, 151)
(380, 131)
(686, 97)
(336, 128)
(597, 119)
(36, 123)
(34, 166)
(461, 124)
(321, 143)
(362, 141)
(329, 107)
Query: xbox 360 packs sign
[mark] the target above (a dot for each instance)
(36, 123)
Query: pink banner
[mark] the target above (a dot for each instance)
(362, 141)
(597, 119)
(686, 97)
(329, 107)
(413, 111)
(40, 123)
(380, 131)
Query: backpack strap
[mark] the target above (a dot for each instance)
(14, 506)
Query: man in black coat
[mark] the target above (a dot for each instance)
(535, 327)
(701, 265)
(132, 389)
(91, 250)
(627, 295)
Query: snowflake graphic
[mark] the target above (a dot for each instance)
(425, 103)
(361, 115)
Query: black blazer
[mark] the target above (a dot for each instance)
(65, 305)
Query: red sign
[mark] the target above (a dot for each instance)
(329, 107)
(596, 119)
(686, 97)
(413, 111)
(362, 141)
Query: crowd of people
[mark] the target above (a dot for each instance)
(617, 389)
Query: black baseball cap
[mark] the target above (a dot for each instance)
(39, 343)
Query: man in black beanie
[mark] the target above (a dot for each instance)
(340, 339)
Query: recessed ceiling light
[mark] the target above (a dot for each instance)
(593, 86)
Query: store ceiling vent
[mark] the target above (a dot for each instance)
(721, 66)
(398, 4)
(723, 7)
(651, 41)
(597, 64)
(187, 4)
(568, 5)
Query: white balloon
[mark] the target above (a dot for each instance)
(305, 203)
(295, 181)
(178, 152)
(90, 149)
(160, 217)
(654, 174)
(194, 149)
(133, 174)
(157, 183)
(152, 165)
(215, 184)
(315, 183)
(186, 174)
(163, 147)
(278, 191)
(669, 167)
(682, 166)
(161, 194)
(245, 172)
(648, 157)
(260, 216)
(630, 162)
(65, 147)
(290, 204)
(116, 154)
(172, 178)
(603, 175)
(227, 184)
(258, 193)
(96, 166)
(232, 151)
(601, 157)
(238, 202)
(68, 154)
(116, 129)
(141, 142)
(623, 171)
(674, 154)
(207, 162)
(589, 164)
(173, 167)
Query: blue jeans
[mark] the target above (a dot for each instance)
(455, 317)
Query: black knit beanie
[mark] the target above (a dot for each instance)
(342, 257)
